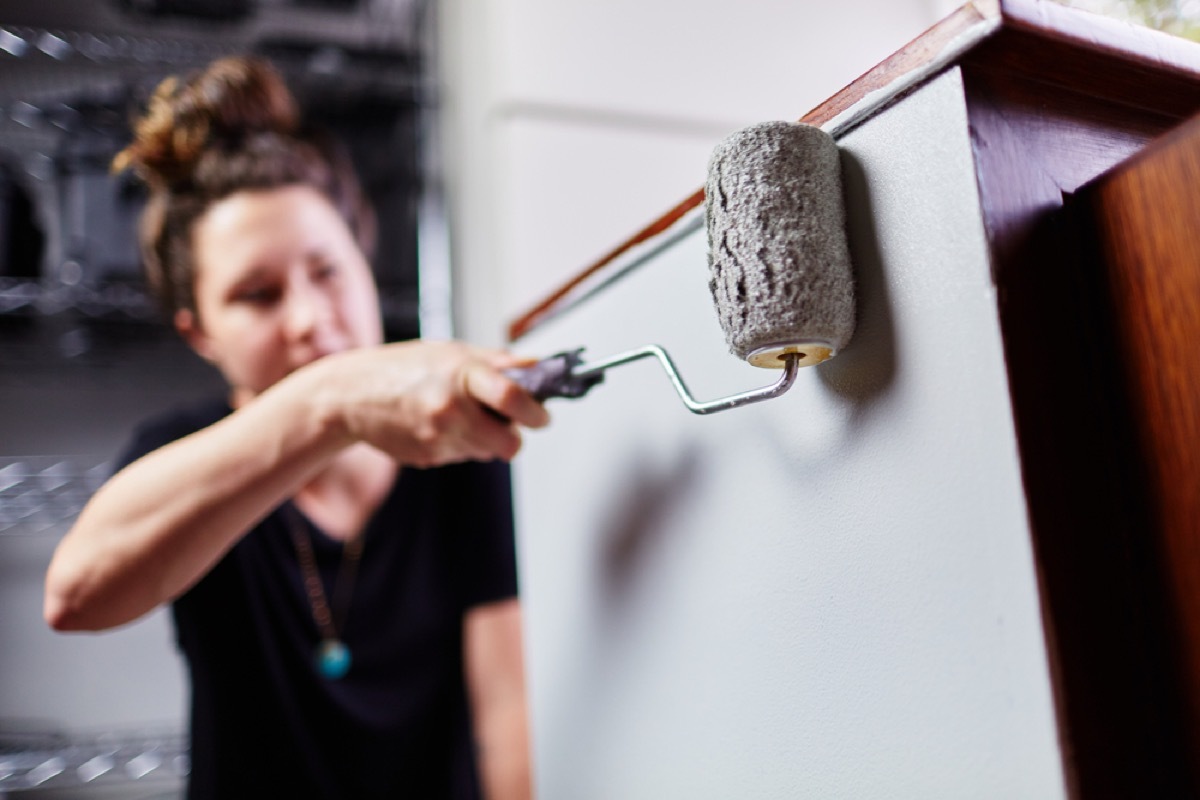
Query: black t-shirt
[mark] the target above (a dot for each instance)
(264, 723)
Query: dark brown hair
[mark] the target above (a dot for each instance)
(233, 126)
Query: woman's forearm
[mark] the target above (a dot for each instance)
(162, 522)
(503, 747)
(495, 673)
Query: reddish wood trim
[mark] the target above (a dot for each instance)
(1110, 38)
(913, 57)
(1131, 78)
(920, 52)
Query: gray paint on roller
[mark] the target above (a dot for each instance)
(778, 259)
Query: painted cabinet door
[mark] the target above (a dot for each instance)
(829, 594)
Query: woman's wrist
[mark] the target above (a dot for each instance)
(318, 399)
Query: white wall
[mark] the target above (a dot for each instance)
(570, 125)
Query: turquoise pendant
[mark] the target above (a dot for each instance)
(333, 659)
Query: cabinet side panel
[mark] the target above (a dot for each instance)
(828, 594)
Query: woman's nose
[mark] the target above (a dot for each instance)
(307, 308)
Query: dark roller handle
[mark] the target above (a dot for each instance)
(555, 377)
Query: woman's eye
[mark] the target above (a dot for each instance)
(325, 271)
(258, 295)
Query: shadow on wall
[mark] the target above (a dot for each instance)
(861, 374)
(867, 367)
(650, 497)
(627, 539)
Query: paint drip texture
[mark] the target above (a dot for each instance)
(779, 262)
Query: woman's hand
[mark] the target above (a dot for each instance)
(426, 403)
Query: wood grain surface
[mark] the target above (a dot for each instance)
(1147, 218)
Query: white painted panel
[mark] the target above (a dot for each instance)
(831, 594)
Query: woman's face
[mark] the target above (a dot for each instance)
(279, 282)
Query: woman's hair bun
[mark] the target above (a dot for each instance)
(231, 99)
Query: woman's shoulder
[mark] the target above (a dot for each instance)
(179, 421)
(171, 424)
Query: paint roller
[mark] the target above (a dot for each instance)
(779, 266)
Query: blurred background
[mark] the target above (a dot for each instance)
(505, 144)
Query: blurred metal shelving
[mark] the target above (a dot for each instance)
(119, 763)
(44, 494)
(125, 303)
(72, 75)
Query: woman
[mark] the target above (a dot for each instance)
(350, 624)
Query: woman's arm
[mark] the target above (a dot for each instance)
(495, 672)
(162, 522)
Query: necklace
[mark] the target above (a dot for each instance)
(332, 657)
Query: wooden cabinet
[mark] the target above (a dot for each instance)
(961, 558)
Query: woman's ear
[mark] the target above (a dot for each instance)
(188, 325)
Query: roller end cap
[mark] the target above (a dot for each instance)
(808, 354)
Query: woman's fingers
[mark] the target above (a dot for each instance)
(502, 359)
(486, 436)
(503, 395)
(429, 403)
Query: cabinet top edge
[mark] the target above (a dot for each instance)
(1005, 26)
